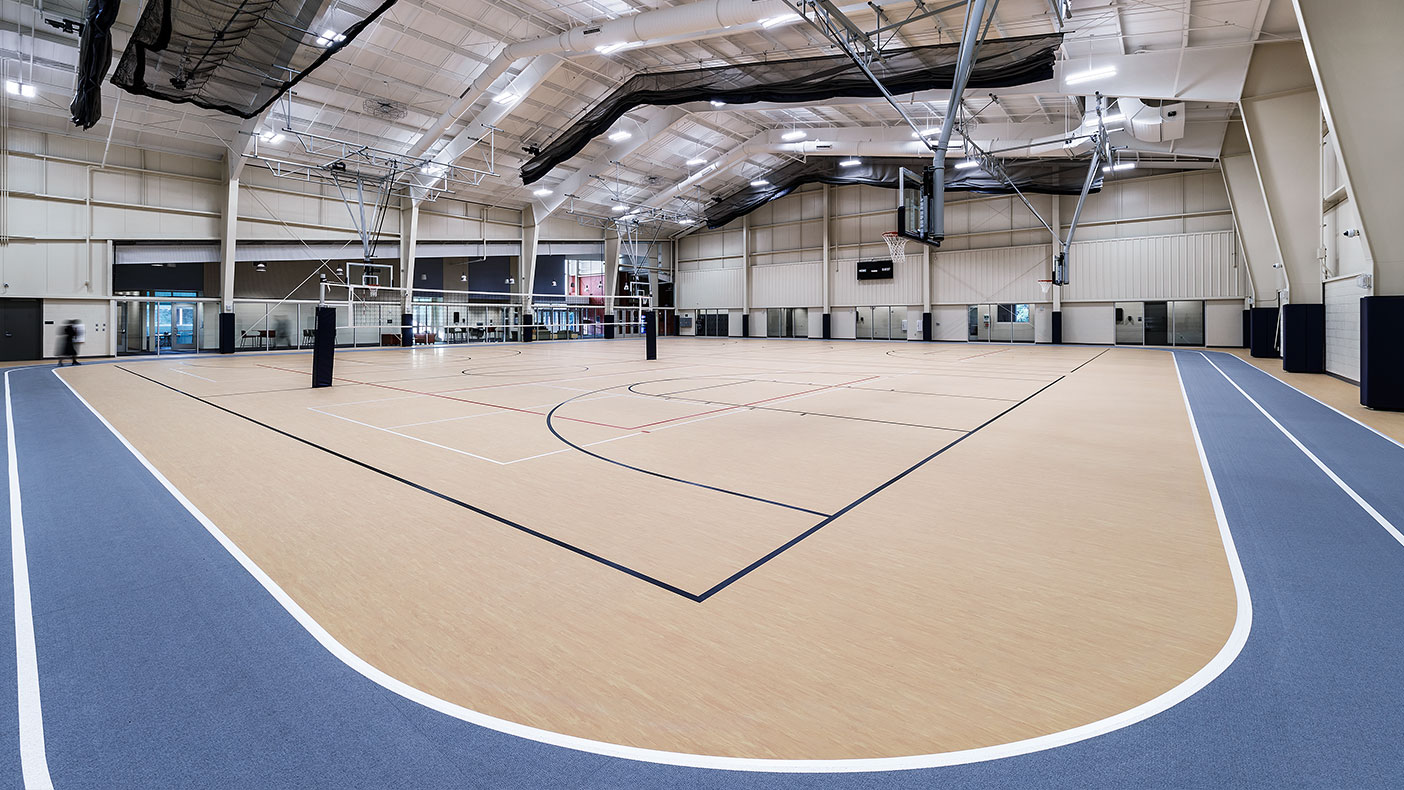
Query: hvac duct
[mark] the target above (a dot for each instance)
(689, 18)
(1153, 122)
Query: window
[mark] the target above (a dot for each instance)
(1013, 314)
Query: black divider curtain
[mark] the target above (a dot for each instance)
(94, 56)
(1040, 176)
(1000, 63)
(236, 58)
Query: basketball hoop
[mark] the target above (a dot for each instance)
(1046, 285)
(374, 291)
(896, 246)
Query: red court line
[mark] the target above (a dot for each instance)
(450, 397)
(753, 403)
(985, 354)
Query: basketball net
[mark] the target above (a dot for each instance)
(1046, 285)
(896, 246)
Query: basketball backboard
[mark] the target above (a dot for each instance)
(914, 207)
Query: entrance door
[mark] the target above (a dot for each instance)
(1157, 324)
(183, 326)
(20, 322)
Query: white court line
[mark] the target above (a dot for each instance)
(187, 373)
(1174, 696)
(1359, 500)
(34, 764)
(1369, 428)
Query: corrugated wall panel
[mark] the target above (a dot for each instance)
(1182, 266)
(1007, 274)
(1343, 328)
(709, 288)
(793, 285)
(903, 289)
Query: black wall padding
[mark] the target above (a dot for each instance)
(94, 57)
(324, 347)
(825, 327)
(608, 326)
(1057, 326)
(1304, 338)
(236, 58)
(406, 329)
(1382, 352)
(926, 327)
(1262, 332)
(226, 333)
(1041, 176)
(1000, 64)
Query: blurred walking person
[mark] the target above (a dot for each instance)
(73, 336)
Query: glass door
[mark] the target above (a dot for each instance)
(183, 329)
(1157, 332)
(1130, 323)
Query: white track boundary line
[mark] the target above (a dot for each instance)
(34, 763)
(1369, 428)
(1335, 478)
(1165, 701)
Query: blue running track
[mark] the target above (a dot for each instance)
(164, 664)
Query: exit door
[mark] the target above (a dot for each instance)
(20, 324)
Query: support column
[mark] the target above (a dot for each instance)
(229, 232)
(926, 328)
(531, 237)
(1353, 49)
(1056, 220)
(611, 281)
(409, 241)
(1282, 116)
(828, 263)
(746, 276)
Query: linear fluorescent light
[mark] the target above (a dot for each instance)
(850, 162)
(19, 89)
(1119, 167)
(793, 135)
(967, 164)
(716, 103)
(605, 49)
(619, 136)
(778, 20)
(543, 192)
(926, 133)
(1088, 76)
(504, 97)
(695, 162)
(620, 208)
(759, 182)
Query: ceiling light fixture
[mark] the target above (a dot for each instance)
(620, 208)
(543, 192)
(967, 164)
(619, 136)
(1118, 167)
(795, 134)
(778, 20)
(850, 162)
(272, 138)
(19, 89)
(504, 97)
(606, 49)
(695, 162)
(716, 103)
(759, 182)
(1088, 76)
(329, 37)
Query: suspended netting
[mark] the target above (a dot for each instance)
(236, 58)
(999, 63)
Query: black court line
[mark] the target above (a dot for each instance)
(814, 384)
(1080, 367)
(501, 520)
(552, 428)
(860, 500)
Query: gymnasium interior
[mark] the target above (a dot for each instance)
(756, 394)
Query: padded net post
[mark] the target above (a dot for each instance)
(324, 346)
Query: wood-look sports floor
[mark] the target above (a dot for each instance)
(743, 548)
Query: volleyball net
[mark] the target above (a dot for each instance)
(360, 316)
